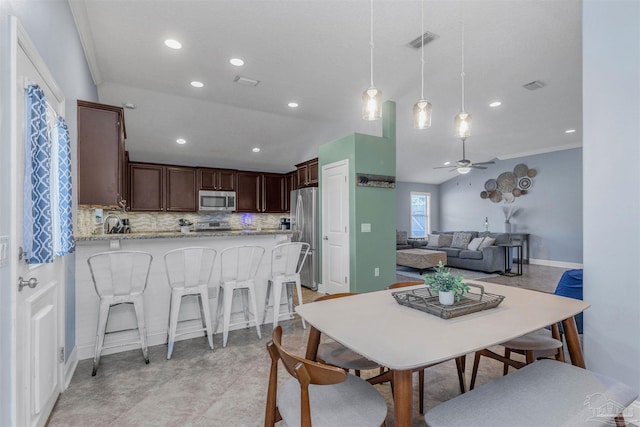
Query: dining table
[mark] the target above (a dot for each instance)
(403, 338)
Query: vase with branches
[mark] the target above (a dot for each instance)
(509, 212)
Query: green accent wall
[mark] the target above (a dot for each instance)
(368, 154)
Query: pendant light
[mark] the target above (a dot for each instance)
(462, 121)
(422, 108)
(372, 97)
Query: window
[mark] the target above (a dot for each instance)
(420, 214)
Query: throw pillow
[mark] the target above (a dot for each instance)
(460, 240)
(474, 245)
(401, 237)
(488, 241)
(434, 240)
(445, 240)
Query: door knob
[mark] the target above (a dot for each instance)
(32, 283)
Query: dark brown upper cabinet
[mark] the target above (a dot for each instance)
(162, 188)
(260, 192)
(217, 179)
(102, 170)
(307, 173)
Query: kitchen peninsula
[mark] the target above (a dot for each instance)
(157, 294)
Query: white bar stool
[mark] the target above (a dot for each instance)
(287, 260)
(119, 277)
(189, 272)
(239, 265)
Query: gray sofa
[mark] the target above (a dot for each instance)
(402, 242)
(489, 259)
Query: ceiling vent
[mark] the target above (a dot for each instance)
(427, 37)
(534, 85)
(245, 81)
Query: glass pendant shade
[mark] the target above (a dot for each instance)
(422, 114)
(462, 124)
(463, 170)
(372, 104)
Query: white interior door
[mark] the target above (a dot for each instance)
(39, 311)
(335, 227)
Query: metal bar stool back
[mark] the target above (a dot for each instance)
(189, 274)
(287, 260)
(119, 277)
(238, 268)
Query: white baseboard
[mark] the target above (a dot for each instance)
(560, 264)
(70, 368)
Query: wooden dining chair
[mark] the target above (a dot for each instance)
(460, 361)
(318, 394)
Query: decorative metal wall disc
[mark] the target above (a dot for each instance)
(490, 185)
(517, 192)
(525, 183)
(506, 182)
(495, 196)
(520, 170)
(531, 173)
(484, 194)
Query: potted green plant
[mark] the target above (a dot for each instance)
(446, 284)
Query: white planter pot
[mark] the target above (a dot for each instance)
(445, 298)
(507, 227)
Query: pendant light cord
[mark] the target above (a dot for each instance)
(371, 43)
(462, 72)
(422, 49)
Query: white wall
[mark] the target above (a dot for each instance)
(50, 26)
(611, 108)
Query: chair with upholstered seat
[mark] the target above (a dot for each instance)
(189, 273)
(539, 343)
(318, 394)
(287, 260)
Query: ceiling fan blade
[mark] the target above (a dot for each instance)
(475, 166)
(445, 167)
(485, 163)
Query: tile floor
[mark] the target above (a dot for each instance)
(227, 386)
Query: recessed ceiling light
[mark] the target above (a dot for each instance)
(293, 105)
(569, 131)
(173, 44)
(447, 163)
(196, 83)
(237, 62)
(181, 141)
(495, 104)
(256, 150)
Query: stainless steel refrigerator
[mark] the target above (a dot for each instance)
(304, 223)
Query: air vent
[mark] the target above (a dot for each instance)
(534, 85)
(427, 37)
(245, 81)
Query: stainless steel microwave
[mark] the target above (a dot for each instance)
(216, 201)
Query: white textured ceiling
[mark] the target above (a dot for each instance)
(317, 54)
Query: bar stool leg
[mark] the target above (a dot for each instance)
(138, 305)
(300, 302)
(252, 297)
(174, 313)
(226, 316)
(219, 308)
(266, 301)
(206, 314)
(277, 296)
(103, 316)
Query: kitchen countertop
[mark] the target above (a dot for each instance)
(177, 234)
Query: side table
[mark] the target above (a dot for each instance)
(507, 257)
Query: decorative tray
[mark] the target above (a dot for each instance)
(424, 300)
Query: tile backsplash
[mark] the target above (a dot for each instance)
(168, 221)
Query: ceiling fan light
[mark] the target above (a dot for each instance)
(372, 104)
(463, 169)
(422, 114)
(462, 124)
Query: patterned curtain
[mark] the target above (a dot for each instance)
(47, 222)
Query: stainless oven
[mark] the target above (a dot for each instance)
(216, 201)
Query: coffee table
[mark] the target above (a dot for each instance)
(421, 259)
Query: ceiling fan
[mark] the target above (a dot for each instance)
(464, 166)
